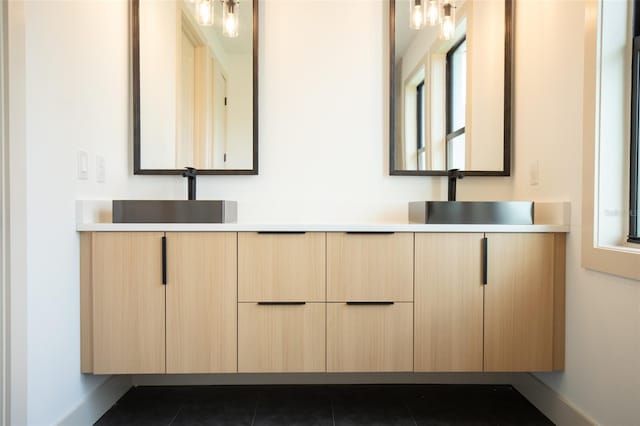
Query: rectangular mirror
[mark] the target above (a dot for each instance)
(195, 86)
(450, 87)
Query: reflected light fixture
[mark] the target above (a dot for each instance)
(448, 24)
(230, 12)
(433, 12)
(416, 14)
(204, 12)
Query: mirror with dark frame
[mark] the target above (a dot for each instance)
(450, 87)
(195, 86)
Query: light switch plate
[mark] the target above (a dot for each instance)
(83, 165)
(101, 171)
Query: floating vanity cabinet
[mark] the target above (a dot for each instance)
(370, 302)
(152, 303)
(281, 317)
(281, 337)
(201, 302)
(123, 303)
(524, 302)
(448, 302)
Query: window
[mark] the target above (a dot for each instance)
(420, 130)
(634, 200)
(456, 104)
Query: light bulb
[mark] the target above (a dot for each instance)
(433, 12)
(230, 18)
(204, 13)
(416, 13)
(448, 27)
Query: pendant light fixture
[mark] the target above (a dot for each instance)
(204, 13)
(416, 14)
(230, 12)
(432, 12)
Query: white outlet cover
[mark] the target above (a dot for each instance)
(101, 170)
(83, 165)
(534, 173)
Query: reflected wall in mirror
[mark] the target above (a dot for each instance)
(195, 86)
(450, 88)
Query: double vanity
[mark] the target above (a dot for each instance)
(226, 298)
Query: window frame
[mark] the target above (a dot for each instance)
(450, 132)
(634, 177)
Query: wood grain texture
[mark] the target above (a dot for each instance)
(369, 267)
(448, 302)
(86, 304)
(559, 300)
(369, 338)
(276, 338)
(519, 303)
(201, 302)
(281, 267)
(128, 303)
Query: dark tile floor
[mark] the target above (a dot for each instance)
(339, 405)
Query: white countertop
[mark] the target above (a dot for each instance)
(246, 227)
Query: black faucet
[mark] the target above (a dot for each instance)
(454, 175)
(190, 173)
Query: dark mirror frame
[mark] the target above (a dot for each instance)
(135, 64)
(508, 95)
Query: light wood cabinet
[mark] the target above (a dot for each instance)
(281, 337)
(201, 302)
(127, 303)
(524, 302)
(448, 302)
(369, 267)
(133, 323)
(373, 338)
(281, 267)
(316, 302)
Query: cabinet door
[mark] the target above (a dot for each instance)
(448, 302)
(281, 338)
(201, 302)
(128, 303)
(370, 267)
(519, 303)
(281, 267)
(369, 338)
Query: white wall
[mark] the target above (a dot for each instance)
(602, 374)
(323, 144)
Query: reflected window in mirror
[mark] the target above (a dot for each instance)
(456, 105)
(420, 125)
(451, 90)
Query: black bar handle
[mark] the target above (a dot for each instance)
(371, 232)
(282, 303)
(485, 255)
(281, 232)
(164, 260)
(370, 303)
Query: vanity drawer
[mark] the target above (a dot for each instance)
(281, 267)
(281, 337)
(369, 267)
(369, 337)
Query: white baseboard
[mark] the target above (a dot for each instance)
(319, 378)
(98, 402)
(551, 403)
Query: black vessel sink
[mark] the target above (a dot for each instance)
(175, 211)
(471, 212)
